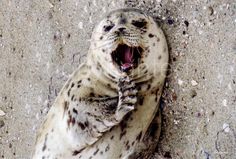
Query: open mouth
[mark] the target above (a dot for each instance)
(127, 57)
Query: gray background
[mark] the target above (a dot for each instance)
(42, 42)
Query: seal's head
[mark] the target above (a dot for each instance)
(125, 41)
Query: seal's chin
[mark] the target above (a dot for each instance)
(126, 57)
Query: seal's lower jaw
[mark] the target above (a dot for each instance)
(126, 57)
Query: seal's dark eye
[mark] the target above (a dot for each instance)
(139, 24)
(108, 27)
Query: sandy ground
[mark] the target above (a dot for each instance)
(43, 41)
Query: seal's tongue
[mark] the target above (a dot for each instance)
(127, 58)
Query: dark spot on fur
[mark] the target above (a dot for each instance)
(66, 105)
(127, 145)
(45, 143)
(141, 100)
(139, 136)
(148, 86)
(150, 35)
(123, 125)
(141, 23)
(122, 134)
(78, 86)
(72, 97)
(99, 65)
(98, 120)
(103, 50)
(101, 37)
(97, 68)
(95, 152)
(107, 148)
(75, 111)
(76, 152)
(158, 39)
(107, 28)
(89, 79)
(81, 125)
(159, 57)
(133, 143)
(86, 123)
(72, 85)
(68, 93)
(112, 137)
(73, 121)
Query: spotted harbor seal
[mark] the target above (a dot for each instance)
(107, 108)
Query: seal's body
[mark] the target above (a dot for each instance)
(107, 105)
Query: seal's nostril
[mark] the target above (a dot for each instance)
(117, 33)
(121, 29)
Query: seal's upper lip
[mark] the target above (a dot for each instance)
(126, 57)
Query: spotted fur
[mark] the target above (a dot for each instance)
(103, 112)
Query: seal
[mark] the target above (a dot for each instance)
(109, 107)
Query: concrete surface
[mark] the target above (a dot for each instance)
(42, 42)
